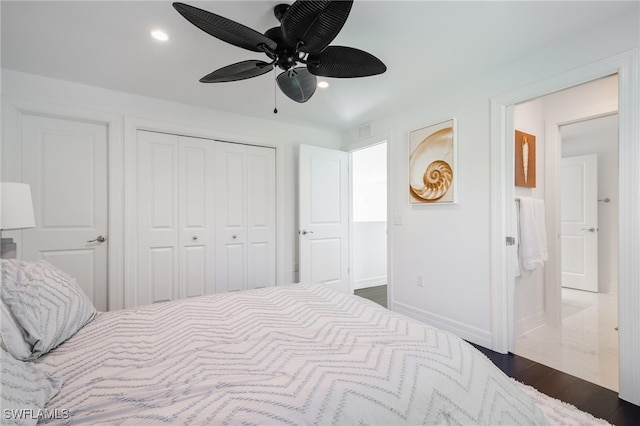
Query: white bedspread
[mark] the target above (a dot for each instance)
(301, 354)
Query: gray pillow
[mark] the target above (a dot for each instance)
(47, 303)
(25, 391)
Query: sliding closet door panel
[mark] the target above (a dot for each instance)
(261, 217)
(233, 272)
(231, 235)
(161, 274)
(194, 271)
(158, 225)
(197, 212)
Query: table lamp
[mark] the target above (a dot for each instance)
(16, 213)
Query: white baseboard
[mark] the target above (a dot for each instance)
(370, 282)
(464, 331)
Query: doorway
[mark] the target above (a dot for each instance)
(502, 107)
(369, 222)
(584, 341)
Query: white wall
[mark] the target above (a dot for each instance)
(369, 261)
(528, 300)
(601, 139)
(450, 245)
(35, 90)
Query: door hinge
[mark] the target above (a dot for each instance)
(511, 241)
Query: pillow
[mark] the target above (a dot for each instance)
(25, 391)
(12, 337)
(47, 303)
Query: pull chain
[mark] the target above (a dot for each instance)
(275, 98)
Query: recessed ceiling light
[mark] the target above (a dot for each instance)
(323, 84)
(159, 35)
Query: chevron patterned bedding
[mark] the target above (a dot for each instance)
(294, 355)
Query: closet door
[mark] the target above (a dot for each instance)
(231, 207)
(158, 224)
(245, 217)
(196, 216)
(261, 217)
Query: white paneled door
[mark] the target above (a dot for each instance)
(196, 216)
(65, 162)
(245, 217)
(158, 226)
(324, 217)
(261, 217)
(206, 217)
(579, 222)
(176, 245)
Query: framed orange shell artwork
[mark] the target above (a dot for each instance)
(525, 160)
(432, 164)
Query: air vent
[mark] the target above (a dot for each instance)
(364, 131)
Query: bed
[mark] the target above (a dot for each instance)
(297, 354)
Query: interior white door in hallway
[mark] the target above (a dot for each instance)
(65, 162)
(324, 217)
(579, 222)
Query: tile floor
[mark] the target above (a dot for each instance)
(586, 346)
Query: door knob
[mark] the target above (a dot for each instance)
(592, 229)
(99, 239)
(305, 232)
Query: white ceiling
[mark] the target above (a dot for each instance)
(423, 43)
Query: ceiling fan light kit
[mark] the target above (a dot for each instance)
(299, 46)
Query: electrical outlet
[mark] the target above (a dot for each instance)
(420, 281)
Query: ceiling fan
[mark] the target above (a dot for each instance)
(307, 27)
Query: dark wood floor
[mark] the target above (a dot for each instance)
(376, 294)
(600, 402)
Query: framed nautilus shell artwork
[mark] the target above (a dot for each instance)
(525, 160)
(432, 168)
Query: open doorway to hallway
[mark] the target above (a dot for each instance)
(369, 222)
(582, 340)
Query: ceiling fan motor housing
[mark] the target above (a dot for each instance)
(285, 56)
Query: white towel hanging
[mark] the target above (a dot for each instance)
(532, 230)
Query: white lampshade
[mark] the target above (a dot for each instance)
(17, 207)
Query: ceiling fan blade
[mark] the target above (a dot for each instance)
(298, 84)
(315, 23)
(225, 29)
(238, 71)
(344, 62)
